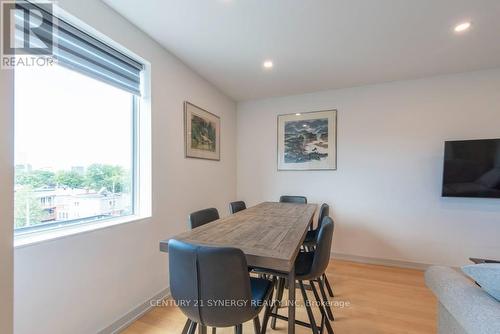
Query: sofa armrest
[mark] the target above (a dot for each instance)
(475, 310)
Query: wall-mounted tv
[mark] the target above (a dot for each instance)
(472, 168)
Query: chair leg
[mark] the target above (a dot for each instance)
(202, 329)
(328, 287)
(214, 330)
(267, 311)
(192, 329)
(326, 303)
(279, 296)
(312, 321)
(322, 326)
(238, 329)
(256, 325)
(186, 327)
(321, 308)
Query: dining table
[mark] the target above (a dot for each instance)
(270, 234)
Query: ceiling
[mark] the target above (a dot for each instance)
(319, 44)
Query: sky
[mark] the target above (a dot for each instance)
(65, 119)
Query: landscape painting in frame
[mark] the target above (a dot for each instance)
(202, 133)
(308, 141)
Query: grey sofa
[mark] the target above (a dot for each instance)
(463, 307)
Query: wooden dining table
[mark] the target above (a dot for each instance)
(270, 234)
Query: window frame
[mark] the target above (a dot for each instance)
(141, 153)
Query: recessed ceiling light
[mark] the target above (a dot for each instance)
(268, 64)
(297, 114)
(462, 27)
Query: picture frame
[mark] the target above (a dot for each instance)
(201, 133)
(307, 141)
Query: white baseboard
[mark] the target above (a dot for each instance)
(378, 261)
(126, 320)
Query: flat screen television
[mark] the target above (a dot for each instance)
(472, 168)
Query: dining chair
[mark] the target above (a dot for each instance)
(202, 217)
(237, 206)
(293, 199)
(310, 239)
(310, 243)
(201, 285)
(309, 266)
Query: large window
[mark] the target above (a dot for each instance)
(76, 143)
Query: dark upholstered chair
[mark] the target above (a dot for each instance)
(237, 206)
(200, 280)
(310, 240)
(310, 266)
(202, 217)
(293, 199)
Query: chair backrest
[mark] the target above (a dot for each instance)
(202, 277)
(323, 247)
(324, 211)
(237, 206)
(293, 199)
(203, 217)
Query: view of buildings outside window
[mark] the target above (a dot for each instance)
(74, 149)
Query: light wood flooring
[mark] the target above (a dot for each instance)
(380, 300)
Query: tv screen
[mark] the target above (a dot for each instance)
(472, 168)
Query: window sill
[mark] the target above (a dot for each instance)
(45, 236)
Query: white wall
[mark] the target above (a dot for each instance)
(82, 283)
(385, 194)
(6, 198)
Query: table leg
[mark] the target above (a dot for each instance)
(291, 301)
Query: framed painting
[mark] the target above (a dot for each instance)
(308, 141)
(201, 132)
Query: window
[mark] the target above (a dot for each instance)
(77, 136)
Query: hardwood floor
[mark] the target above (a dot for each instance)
(377, 299)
